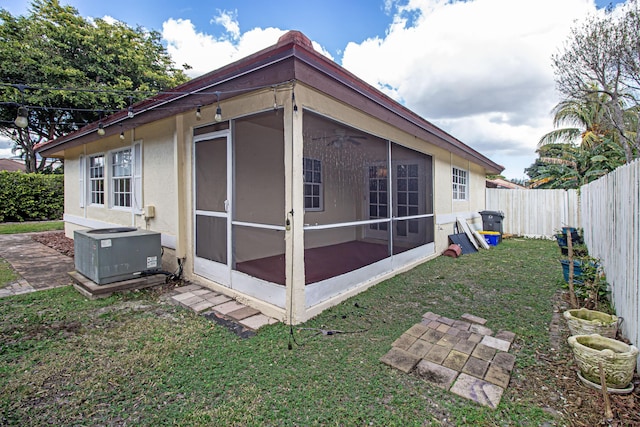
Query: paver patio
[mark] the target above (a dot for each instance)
(461, 356)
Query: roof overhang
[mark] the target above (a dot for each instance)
(291, 59)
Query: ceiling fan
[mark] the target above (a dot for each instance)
(340, 138)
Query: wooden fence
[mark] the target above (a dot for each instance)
(535, 213)
(610, 211)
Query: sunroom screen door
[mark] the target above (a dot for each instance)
(213, 206)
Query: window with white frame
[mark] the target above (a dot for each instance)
(313, 191)
(96, 179)
(121, 178)
(460, 184)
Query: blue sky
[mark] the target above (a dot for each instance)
(480, 69)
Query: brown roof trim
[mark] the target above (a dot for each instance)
(309, 67)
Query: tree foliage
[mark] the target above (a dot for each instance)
(600, 62)
(52, 50)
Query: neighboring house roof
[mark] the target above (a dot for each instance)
(501, 183)
(11, 165)
(291, 59)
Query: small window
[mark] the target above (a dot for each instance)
(121, 177)
(96, 180)
(460, 184)
(313, 191)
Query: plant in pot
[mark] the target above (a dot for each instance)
(598, 356)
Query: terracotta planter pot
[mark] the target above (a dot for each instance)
(618, 359)
(585, 322)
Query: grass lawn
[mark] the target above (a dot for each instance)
(30, 226)
(136, 360)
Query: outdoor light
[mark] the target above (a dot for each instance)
(130, 112)
(218, 116)
(122, 135)
(198, 113)
(100, 129)
(21, 120)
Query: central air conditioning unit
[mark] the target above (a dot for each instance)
(108, 255)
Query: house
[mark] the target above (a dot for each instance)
(281, 180)
(10, 165)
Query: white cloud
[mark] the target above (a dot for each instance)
(479, 69)
(229, 21)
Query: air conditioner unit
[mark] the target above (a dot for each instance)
(108, 255)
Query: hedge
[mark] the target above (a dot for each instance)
(30, 197)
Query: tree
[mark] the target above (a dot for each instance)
(68, 71)
(601, 61)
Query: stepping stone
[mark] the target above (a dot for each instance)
(432, 336)
(404, 342)
(476, 367)
(455, 360)
(478, 390)
(217, 299)
(483, 352)
(476, 338)
(201, 306)
(400, 359)
(420, 348)
(187, 288)
(438, 375)
(258, 321)
(505, 361)
(201, 292)
(243, 313)
(465, 346)
(431, 316)
(228, 307)
(443, 328)
(189, 302)
(417, 330)
(461, 325)
(448, 341)
(473, 319)
(183, 296)
(437, 354)
(479, 329)
(506, 336)
(446, 321)
(496, 343)
(498, 376)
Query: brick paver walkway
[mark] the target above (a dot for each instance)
(462, 356)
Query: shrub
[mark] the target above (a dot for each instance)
(30, 197)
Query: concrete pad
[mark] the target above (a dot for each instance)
(473, 319)
(432, 336)
(483, 352)
(258, 321)
(465, 346)
(496, 343)
(448, 341)
(201, 306)
(506, 335)
(476, 367)
(478, 390)
(438, 375)
(479, 329)
(400, 359)
(417, 330)
(420, 348)
(243, 313)
(455, 360)
(505, 361)
(437, 354)
(228, 307)
(498, 376)
(404, 342)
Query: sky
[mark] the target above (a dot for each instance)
(479, 69)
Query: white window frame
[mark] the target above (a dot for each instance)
(120, 197)
(316, 182)
(460, 181)
(91, 189)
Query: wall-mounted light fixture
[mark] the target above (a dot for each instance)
(198, 112)
(218, 116)
(100, 129)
